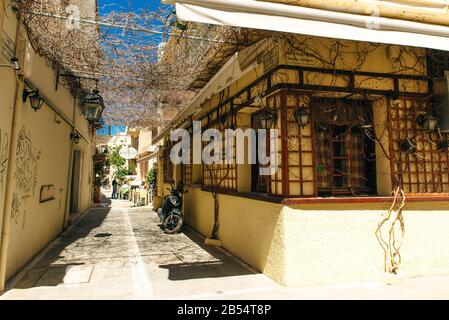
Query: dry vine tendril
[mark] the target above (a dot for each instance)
(393, 220)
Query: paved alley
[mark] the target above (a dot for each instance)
(119, 252)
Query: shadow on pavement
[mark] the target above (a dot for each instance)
(221, 265)
(52, 269)
(200, 270)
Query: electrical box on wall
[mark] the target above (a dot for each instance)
(441, 102)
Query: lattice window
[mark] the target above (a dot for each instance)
(221, 176)
(345, 153)
(187, 168)
(270, 184)
(424, 168)
(186, 174)
(167, 165)
(298, 148)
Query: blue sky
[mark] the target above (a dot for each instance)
(106, 6)
(128, 5)
(131, 38)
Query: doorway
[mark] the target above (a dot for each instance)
(259, 183)
(345, 150)
(76, 183)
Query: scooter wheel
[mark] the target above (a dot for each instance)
(173, 223)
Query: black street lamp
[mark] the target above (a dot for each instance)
(302, 116)
(92, 106)
(266, 119)
(427, 121)
(407, 146)
(36, 100)
(75, 137)
(15, 64)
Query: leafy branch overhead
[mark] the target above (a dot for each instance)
(145, 61)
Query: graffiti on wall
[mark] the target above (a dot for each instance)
(25, 176)
(3, 157)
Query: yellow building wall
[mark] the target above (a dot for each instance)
(7, 91)
(45, 159)
(247, 227)
(350, 55)
(383, 166)
(328, 243)
(35, 224)
(336, 243)
(322, 243)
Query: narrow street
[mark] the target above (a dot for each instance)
(121, 253)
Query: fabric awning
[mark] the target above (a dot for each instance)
(315, 22)
(238, 65)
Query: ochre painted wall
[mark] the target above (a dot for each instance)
(248, 228)
(35, 223)
(7, 91)
(329, 243)
(42, 158)
(312, 244)
(318, 244)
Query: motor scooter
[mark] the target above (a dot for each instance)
(170, 214)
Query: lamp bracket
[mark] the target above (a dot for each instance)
(60, 74)
(27, 93)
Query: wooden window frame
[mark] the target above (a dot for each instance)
(421, 170)
(246, 96)
(168, 167)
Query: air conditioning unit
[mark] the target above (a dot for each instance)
(25, 56)
(441, 102)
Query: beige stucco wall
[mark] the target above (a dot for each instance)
(7, 90)
(37, 223)
(329, 244)
(313, 244)
(46, 156)
(248, 228)
(322, 243)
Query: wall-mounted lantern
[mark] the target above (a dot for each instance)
(407, 146)
(222, 121)
(14, 64)
(36, 100)
(443, 145)
(427, 121)
(92, 106)
(75, 137)
(267, 119)
(302, 116)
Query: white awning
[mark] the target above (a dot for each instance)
(315, 22)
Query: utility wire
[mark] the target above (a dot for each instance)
(126, 27)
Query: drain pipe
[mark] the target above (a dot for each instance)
(69, 176)
(9, 174)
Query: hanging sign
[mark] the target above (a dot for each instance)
(128, 153)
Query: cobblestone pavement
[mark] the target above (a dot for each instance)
(120, 253)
